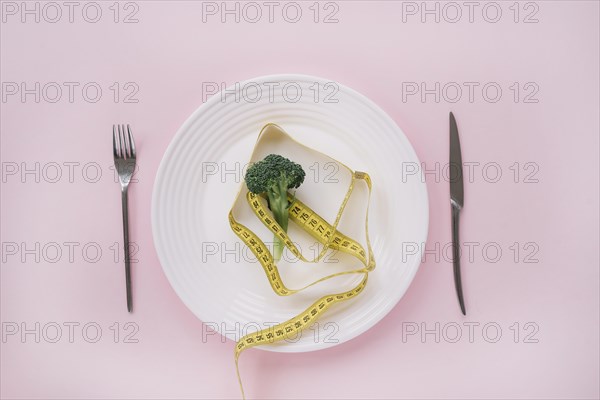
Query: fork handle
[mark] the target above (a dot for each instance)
(124, 204)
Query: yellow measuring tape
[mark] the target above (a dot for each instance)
(326, 234)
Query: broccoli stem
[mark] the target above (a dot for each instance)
(278, 203)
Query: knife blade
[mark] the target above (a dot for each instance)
(456, 203)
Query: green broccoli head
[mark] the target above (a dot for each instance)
(273, 174)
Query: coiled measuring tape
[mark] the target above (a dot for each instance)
(326, 234)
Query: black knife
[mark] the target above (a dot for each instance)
(457, 203)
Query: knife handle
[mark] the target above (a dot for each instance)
(456, 258)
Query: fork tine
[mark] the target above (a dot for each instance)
(126, 141)
(115, 154)
(121, 148)
(122, 139)
(131, 142)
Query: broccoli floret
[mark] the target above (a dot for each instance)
(273, 176)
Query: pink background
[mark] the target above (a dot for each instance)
(169, 53)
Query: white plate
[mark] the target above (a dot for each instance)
(202, 169)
